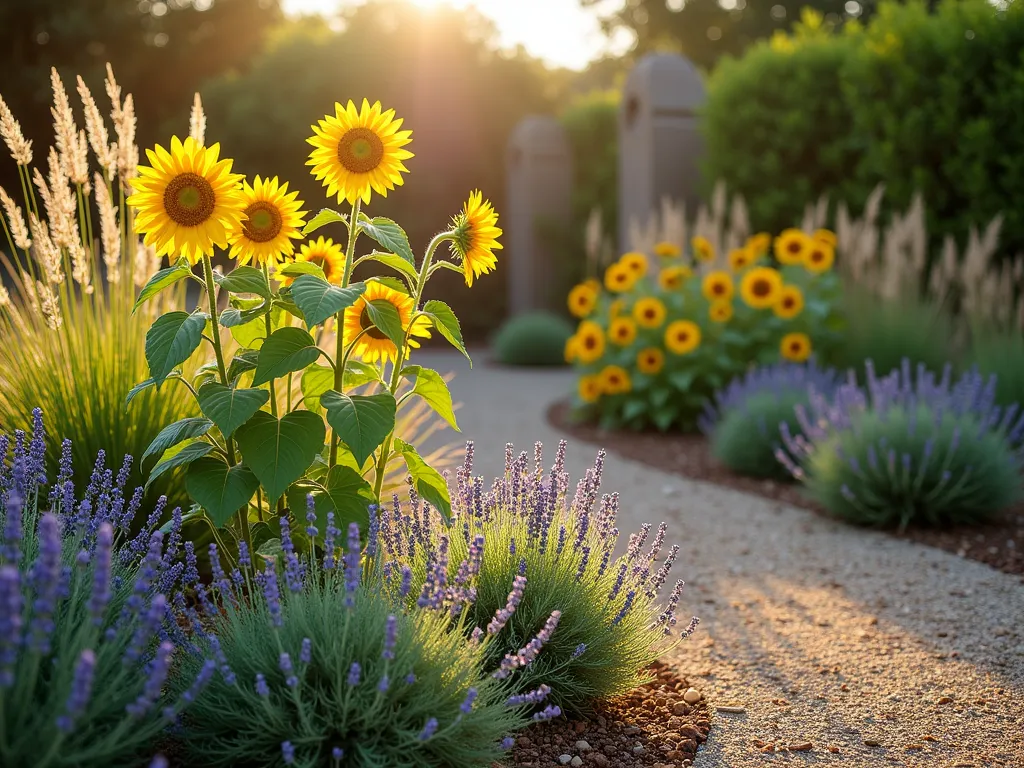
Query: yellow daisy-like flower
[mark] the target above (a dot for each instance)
(703, 250)
(791, 246)
(635, 263)
(720, 311)
(374, 345)
(826, 236)
(672, 278)
(650, 361)
(270, 221)
(682, 337)
(582, 299)
(819, 257)
(475, 237)
(357, 152)
(790, 303)
(649, 312)
(758, 244)
(589, 388)
(615, 380)
(667, 250)
(717, 285)
(761, 287)
(618, 278)
(795, 347)
(616, 308)
(571, 350)
(622, 331)
(589, 341)
(187, 200)
(326, 254)
(741, 258)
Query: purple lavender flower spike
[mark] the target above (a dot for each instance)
(330, 534)
(306, 654)
(579, 650)
(384, 684)
(287, 752)
(532, 697)
(272, 595)
(81, 690)
(262, 689)
(10, 622)
(311, 529)
(549, 712)
(46, 579)
(159, 762)
(285, 662)
(354, 673)
(13, 525)
(467, 704)
(201, 681)
(406, 585)
(353, 553)
(390, 637)
(156, 676)
(429, 729)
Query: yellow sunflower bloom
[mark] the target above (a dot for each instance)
(615, 380)
(758, 245)
(616, 308)
(819, 257)
(649, 312)
(791, 246)
(476, 236)
(682, 337)
(720, 311)
(618, 278)
(635, 263)
(374, 345)
(187, 200)
(717, 285)
(357, 152)
(622, 331)
(790, 303)
(703, 250)
(826, 236)
(667, 250)
(582, 299)
(672, 278)
(589, 341)
(741, 258)
(795, 347)
(270, 221)
(761, 287)
(571, 350)
(326, 254)
(589, 388)
(650, 361)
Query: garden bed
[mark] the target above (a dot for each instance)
(999, 544)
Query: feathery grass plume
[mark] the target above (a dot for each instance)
(909, 448)
(110, 230)
(16, 221)
(10, 131)
(71, 144)
(96, 129)
(197, 121)
(530, 551)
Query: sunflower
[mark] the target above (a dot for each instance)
(761, 287)
(622, 331)
(359, 151)
(826, 236)
(188, 201)
(618, 278)
(791, 246)
(667, 250)
(615, 380)
(795, 347)
(582, 299)
(649, 312)
(758, 244)
(326, 254)
(717, 285)
(650, 361)
(571, 349)
(682, 337)
(672, 278)
(703, 249)
(635, 262)
(589, 341)
(616, 308)
(741, 258)
(475, 236)
(374, 345)
(589, 388)
(819, 257)
(790, 303)
(720, 311)
(270, 221)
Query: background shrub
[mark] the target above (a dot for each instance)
(534, 338)
(1000, 354)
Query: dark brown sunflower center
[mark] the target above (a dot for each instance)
(718, 289)
(189, 199)
(262, 222)
(649, 313)
(817, 256)
(366, 324)
(682, 337)
(794, 246)
(321, 261)
(788, 302)
(795, 346)
(589, 342)
(761, 288)
(360, 150)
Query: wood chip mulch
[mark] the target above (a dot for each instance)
(999, 543)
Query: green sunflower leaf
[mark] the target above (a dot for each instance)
(318, 300)
(383, 315)
(245, 279)
(429, 483)
(171, 340)
(429, 385)
(361, 422)
(163, 279)
(323, 218)
(230, 408)
(279, 451)
(219, 489)
(447, 324)
(286, 351)
(390, 235)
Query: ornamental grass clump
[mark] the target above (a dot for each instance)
(909, 449)
(321, 668)
(743, 420)
(87, 639)
(531, 550)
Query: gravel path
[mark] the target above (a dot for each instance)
(872, 650)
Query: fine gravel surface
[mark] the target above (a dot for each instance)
(858, 648)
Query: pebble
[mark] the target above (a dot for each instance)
(582, 746)
(945, 700)
(872, 743)
(576, 762)
(638, 749)
(804, 746)
(692, 696)
(564, 759)
(732, 710)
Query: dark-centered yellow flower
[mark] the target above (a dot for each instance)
(650, 361)
(682, 337)
(720, 311)
(717, 285)
(672, 278)
(667, 250)
(819, 257)
(741, 258)
(582, 299)
(618, 278)
(615, 380)
(271, 220)
(703, 250)
(826, 236)
(761, 287)
(791, 246)
(589, 388)
(622, 331)
(374, 345)
(635, 262)
(589, 341)
(326, 254)
(758, 244)
(790, 303)
(649, 312)
(795, 347)
(475, 235)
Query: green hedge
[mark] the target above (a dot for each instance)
(917, 100)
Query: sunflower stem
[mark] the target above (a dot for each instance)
(270, 330)
(339, 348)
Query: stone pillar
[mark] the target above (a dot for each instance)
(659, 143)
(539, 170)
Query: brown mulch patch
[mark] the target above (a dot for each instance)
(651, 726)
(999, 543)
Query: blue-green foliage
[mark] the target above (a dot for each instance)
(536, 338)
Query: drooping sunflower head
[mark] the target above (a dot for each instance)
(717, 285)
(475, 237)
(650, 361)
(720, 311)
(791, 246)
(326, 254)
(819, 257)
(672, 278)
(649, 312)
(795, 347)
(635, 262)
(582, 299)
(760, 287)
(374, 345)
(622, 331)
(589, 388)
(826, 236)
(271, 220)
(618, 278)
(682, 337)
(359, 151)
(667, 250)
(187, 200)
(790, 303)
(703, 250)
(589, 341)
(615, 380)
(741, 258)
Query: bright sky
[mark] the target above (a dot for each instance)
(558, 31)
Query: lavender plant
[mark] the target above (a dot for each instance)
(319, 668)
(743, 420)
(530, 551)
(87, 640)
(909, 449)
